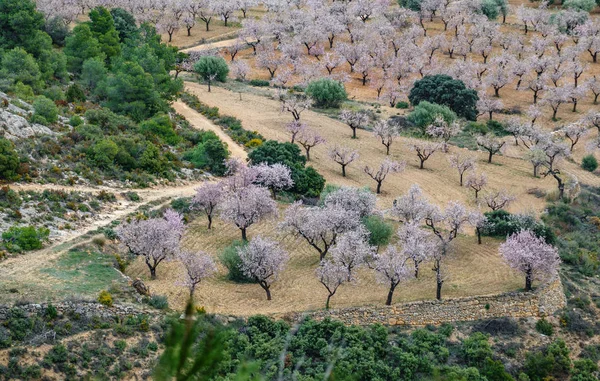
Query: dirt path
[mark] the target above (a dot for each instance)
(211, 46)
(198, 121)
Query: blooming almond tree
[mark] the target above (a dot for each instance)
(343, 156)
(276, 177)
(319, 227)
(462, 163)
(574, 132)
(476, 182)
(442, 130)
(154, 239)
(246, 206)
(263, 260)
(497, 200)
(198, 266)
(445, 225)
(352, 250)
(386, 167)
(359, 201)
(417, 244)
(424, 150)
(355, 120)
(295, 128)
(207, 198)
(386, 132)
(490, 143)
(331, 275)
(392, 268)
(308, 139)
(530, 255)
(295, 104)
(411, 207)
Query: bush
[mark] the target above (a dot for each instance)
(161, 126)
(501, 223)
(380, 231)
(160, 302)
(589, 163)
(210, 154)
(46, 109)
(580, 5)
(544, 327)
(9, 160)
(75, 121)
(105, 298)
(425, 113)
(402, 105)
(327, 93)
(212, 68)
(75, 94)
(18, 239)
(259, 83)
(444, 90)
(230, 258)
(550, 363)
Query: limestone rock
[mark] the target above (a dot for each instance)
(14, 126)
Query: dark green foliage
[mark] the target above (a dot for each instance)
(75, 94)
(413, 5)
(210, 153)
(589, 163)
(124, 23)
(103, 29)
(380, 231)
(46, 109)
(501, 223)
(160, 129)
(26, 238)
(552, 361)
(18, 66)
(19, 23)
(80, 46)
(490, 9)
(544, 327)
(259, 83)
(327, 93)
(9, 160)
(402, 105)
(425, 113)
(476, 349)
(231, 260)
(444, 90)
(307, 181)
(57, 30)
(93, 73)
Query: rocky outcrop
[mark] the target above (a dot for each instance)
(13, 126)
(544, 301)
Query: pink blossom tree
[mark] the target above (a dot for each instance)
(295, 104)
(445, 225)
(354, 120)
(574, 131)
(392, 268)
(343, 156)
(359, 201)
(476, 182)
(276, 177)
(207, 199)
(411, 207)
(532, 256)
(294, 128)
(155, 239)
(492, 144)
(554, 152)
(198, 266)
(462, 163)
(247, 205)
(352, 250)
(417, 244)
(308, 139)
(499, 199)
(319, 227)
(331, 275)
(263, 260)
(386, 167)
(386, 132)
(424, 150)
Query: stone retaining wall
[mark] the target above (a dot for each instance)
(543, 302)
(82, 308)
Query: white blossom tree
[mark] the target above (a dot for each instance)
(392, 268)
(491, 144)
(247, 205)
(417, 244)
(343, 156)
(207, 199)
(263, 260)
(354, 120)
(331, 275)
(386, 167)
(276, 177)
(462, 163)
(476, 182)
(198, 266)
(308, 139)
(386, 132)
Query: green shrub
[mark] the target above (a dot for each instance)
(26, 238)
(210, 154)
(46, 109)
(54, 93)
(51, 312)
(550, 363)
(501, 223)
(230, 258)
(589, 163)
(161, 127)
(9, 160)
(425, 113)
(544, 327)
(105, 298)
(327, 93)
(212, 68)
(160, 302)
(75, 93)
(259, 83)
(580, 5)
(380, 231)
(402, 105)
(444, 90)
(75, 121)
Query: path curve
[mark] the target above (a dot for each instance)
(200, 122)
